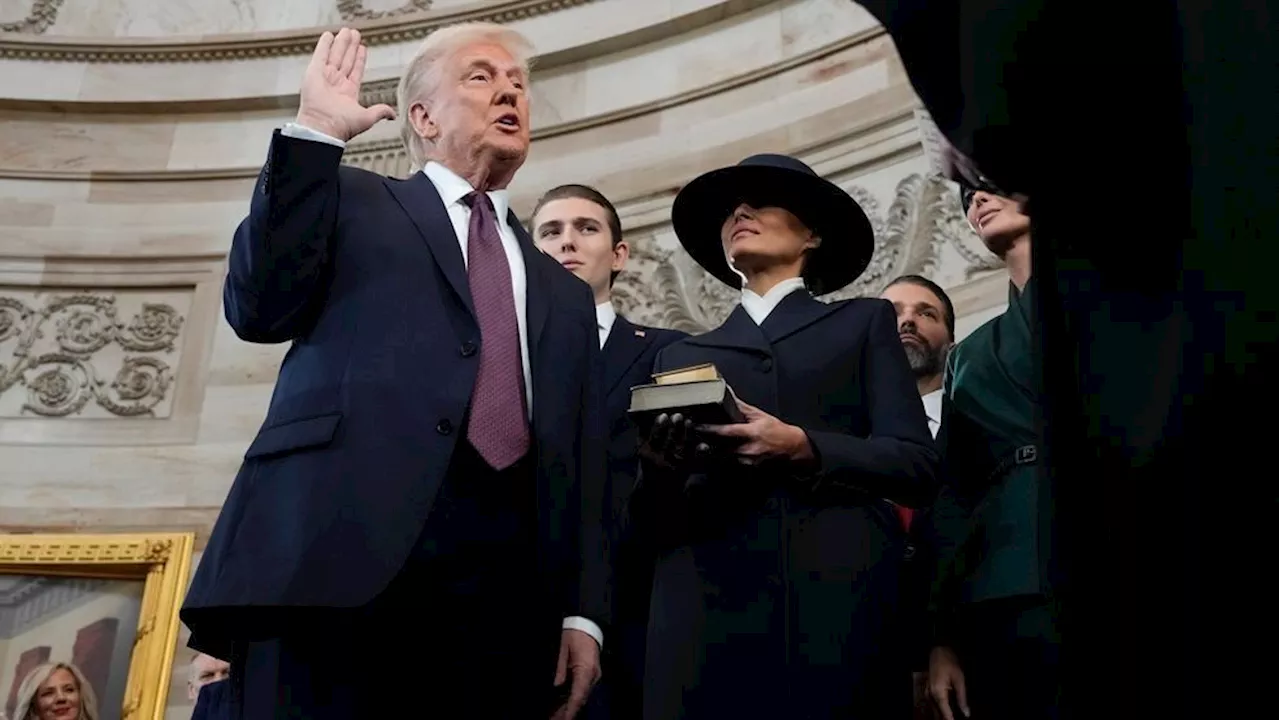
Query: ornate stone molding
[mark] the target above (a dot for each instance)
(383, 31)
(43, 14)
(355, 10)
(63, 380)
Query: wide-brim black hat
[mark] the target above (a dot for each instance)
(702, 206)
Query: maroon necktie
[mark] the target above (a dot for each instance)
(498, 428)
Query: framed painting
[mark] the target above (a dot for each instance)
(88, 624)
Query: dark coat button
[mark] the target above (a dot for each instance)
(767, 365)
(909, 552)
(444, 427)
(468, 349)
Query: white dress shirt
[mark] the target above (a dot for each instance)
(605, 315)
(933, 410)
(452, 190)
(759, 306)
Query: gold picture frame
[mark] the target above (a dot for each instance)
(161, 562)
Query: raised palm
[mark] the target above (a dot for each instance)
(330, 93)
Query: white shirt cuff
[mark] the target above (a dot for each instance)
(302, 132)
(582, 624)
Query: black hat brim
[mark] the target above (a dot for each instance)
(847, 238)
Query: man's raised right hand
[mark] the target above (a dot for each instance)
(330, 94)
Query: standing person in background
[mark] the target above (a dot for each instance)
(430, 472)
(580, 228)
(927, 328)
(995, 642)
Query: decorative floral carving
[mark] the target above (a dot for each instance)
(355, 9)
(42, 16)
(666, 288)
(63, 382)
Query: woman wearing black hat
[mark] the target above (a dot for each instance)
(776, 562)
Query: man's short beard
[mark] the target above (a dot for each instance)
(925, 360)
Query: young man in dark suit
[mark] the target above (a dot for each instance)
(580, 228)
(778, 561)
(429, 477)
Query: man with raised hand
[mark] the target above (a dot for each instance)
(429, 477)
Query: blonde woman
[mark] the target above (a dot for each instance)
(56, 691)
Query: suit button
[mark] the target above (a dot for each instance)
(468, 349)
(444, 427)
(909, 552)
(767, 365)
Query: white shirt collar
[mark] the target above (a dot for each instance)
(933, 407)
(759, 307)
(605, 315)
(453, 188)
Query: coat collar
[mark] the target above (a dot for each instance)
(796, 312)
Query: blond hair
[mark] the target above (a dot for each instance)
(422, 77)
(26, 707)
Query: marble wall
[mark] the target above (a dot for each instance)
(134, 130)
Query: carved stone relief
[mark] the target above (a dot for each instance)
(42, 15)
(664, 287)
(356, 10)
(87, 354)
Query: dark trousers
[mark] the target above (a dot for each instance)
(462, 628)
(1008, 650)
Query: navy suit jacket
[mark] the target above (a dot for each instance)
(214, 702)
(364, 275)
(628, 354)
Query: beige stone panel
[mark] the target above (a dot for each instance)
(34, 141)
(113, 241)
(817, 22)
(41, 79)
(234, 413)
(15, 10)
(117, 477)
(118, 518)
(223, 141)
(216, 216)
(26, 212)
(112, 82)
(40, 191)
(236, 363)
(141, 192)
(157, 18)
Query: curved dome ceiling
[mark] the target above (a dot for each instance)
(140, 19)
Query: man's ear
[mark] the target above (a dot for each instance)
(424, 126)
(621, 253)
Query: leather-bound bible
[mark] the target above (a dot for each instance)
(697, 392)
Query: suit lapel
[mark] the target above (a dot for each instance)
(537, 296)
(421, 202)
(796, 312)
(622, 349)
(738, 331)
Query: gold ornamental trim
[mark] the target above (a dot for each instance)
(383, 31)
(160, 561)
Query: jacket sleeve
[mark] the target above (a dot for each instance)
(897, 459)
(595, 571)
(654, 514)
(278, 267)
